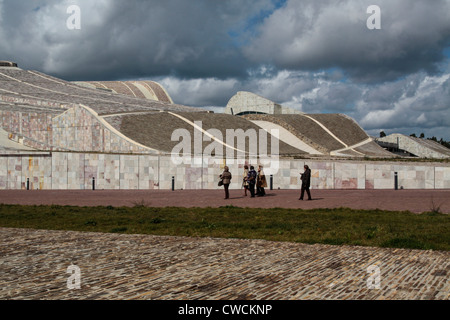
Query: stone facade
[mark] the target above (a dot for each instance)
(247, 102)
(78, 171)
(79, 129)
(420, 147)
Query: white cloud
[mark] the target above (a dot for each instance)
(199, 92)
(427, 107)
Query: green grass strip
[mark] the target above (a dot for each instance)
(343, 226)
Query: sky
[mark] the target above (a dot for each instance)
(317, 56)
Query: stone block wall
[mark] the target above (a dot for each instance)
(76, 171)
(81, 129)
(27, 125)
(78, 129)
(442, 178)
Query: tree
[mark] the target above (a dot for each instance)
(445, 143)
(382, 134)
(422, 135)
(413, 135)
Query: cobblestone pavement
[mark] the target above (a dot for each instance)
(34, 265)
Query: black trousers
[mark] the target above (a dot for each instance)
(227, 192)
(251, 187)
(305, 188)
(260, 191)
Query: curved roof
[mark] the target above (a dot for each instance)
(333, 134)
(41, 89)
(31, 100)
(139, 89)
(159, 134)
(38, 108)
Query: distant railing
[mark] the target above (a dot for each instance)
(387, 144)
(8, 64)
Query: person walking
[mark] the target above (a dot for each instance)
(244, 180)
(226, 180)
(251, 178)
(306, 183)
(261, 182)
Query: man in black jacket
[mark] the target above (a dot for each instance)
(306, 183)
(251, 179)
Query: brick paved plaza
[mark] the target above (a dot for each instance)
(120, 267)
(34, 266)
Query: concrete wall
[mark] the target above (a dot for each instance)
(62, 171)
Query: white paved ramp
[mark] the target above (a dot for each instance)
(6, 143)
(287, 137)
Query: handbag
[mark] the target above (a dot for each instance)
(220, 183)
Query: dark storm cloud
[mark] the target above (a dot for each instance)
(222, 39)
(320, 34)
(128, 39)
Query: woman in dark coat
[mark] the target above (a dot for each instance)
(261, 182)
(306, 183)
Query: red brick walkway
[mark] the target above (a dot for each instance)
(413, 200)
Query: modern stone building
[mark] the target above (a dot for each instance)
(56, 134)
(244, 103)
(422, 148)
